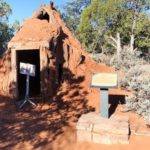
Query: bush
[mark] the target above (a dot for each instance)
(137, 78)
(101, 58)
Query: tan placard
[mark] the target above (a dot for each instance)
(104, 80)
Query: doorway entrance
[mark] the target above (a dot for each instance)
(32, 57)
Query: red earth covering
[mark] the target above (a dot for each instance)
(51, 125)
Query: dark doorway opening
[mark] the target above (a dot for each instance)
(32, 57)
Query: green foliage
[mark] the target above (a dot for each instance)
(137, 78)
(95, 20)
(143, 33)
(5, 35)
(6, 31)
(72, 12)
(106, 18)
(5, 10)
(140, 100)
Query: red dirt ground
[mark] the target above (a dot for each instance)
(51, 126)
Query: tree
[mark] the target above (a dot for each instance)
(72, 12)
(115, 23)
(6, 31)
(4, 10)
(95, 22)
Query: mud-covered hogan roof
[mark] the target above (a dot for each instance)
(41, 27)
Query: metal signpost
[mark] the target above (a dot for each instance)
(28, 70)
(104, 81)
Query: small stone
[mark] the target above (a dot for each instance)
(45, 107)
(44, 134)
(107, 138)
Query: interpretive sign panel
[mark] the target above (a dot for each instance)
(104, 81)
(27, 69)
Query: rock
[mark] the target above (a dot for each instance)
(92, 127)
(45, 107)
(84, 126)
(83, 135)
(44, 134)
(107, 138)
(113, 128)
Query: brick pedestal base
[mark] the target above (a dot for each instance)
(93, 128)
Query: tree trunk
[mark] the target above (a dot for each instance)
(118, 45)
(132, 43)
(132, 36)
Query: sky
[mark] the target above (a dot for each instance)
(23, 9)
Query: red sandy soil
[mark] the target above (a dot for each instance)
(51, 126)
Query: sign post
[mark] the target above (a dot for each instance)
(104, 103)
(28, 70)
(104, 81)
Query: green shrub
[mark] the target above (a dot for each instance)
(137, 78)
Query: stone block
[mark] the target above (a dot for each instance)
(120, 118)
(90, 117)
(84, 126)
(92, 127)
(83, 135)
(112, 128)
(107, 138)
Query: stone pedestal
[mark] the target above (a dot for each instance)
(93, 128)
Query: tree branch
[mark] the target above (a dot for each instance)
(113, 39)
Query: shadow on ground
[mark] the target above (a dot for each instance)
(42, 125)
(114, 101)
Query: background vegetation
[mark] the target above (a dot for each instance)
(6, 30)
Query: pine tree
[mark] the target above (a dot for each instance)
(115, 23)
(6, 31)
